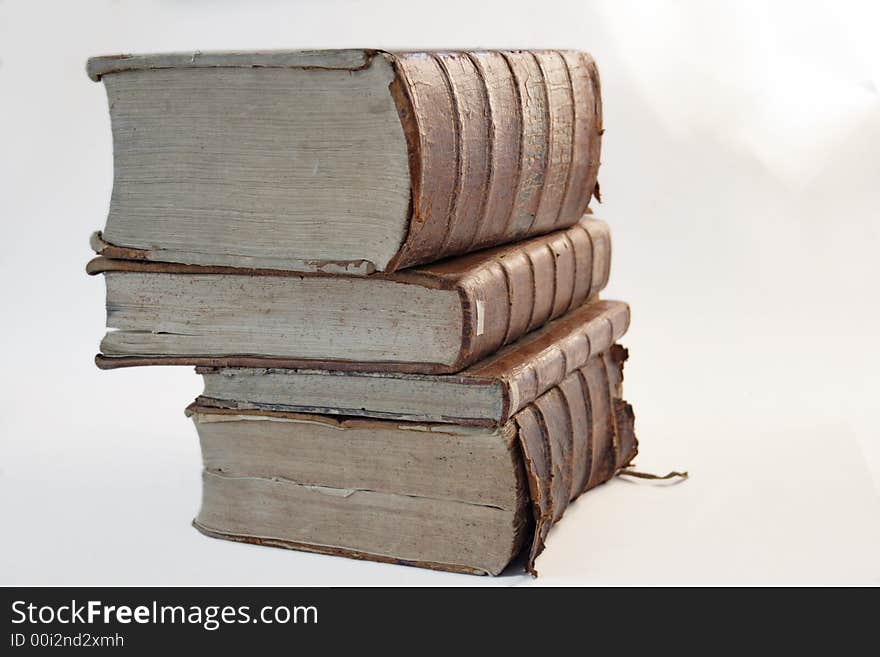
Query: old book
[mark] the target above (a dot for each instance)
(345, 161)
(445, 496)
(488, 392)
(437, 318)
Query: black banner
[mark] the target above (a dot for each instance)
(244, 618)
(322, 620)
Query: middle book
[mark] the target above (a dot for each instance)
(432, 319)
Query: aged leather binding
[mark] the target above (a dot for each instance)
(521, 372)
(573, 437)
(501, 144)
(533, 365)
(519, 156)
(505, 292)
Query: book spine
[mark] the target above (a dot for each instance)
(548, 367)
(574, 437)
(533, 284)
(502, 145)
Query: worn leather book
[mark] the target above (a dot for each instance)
(453, 497)
(345, 161)
(488, 392)
(437, 318)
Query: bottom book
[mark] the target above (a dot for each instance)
(445, 496)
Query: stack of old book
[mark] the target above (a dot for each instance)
(385, 269)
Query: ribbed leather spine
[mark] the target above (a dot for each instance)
(574, 437)
(535, 282)
(503, 145)
(587, 335)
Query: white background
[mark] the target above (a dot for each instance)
(740, 174)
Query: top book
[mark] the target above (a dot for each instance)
(345, 161)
